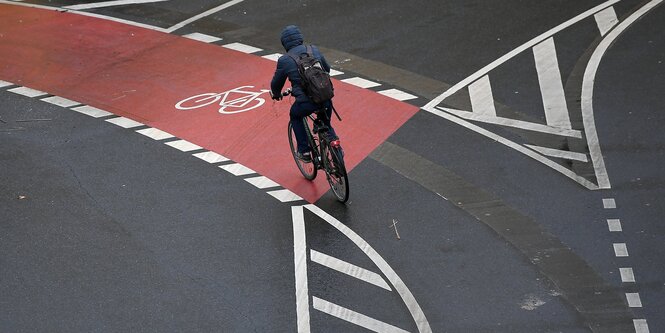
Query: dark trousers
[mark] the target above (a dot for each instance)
(300, 110)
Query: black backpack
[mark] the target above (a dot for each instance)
(315, 80)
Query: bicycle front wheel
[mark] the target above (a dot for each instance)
(336, 173)
(308, 170)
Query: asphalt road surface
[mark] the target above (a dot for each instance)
(505, 163)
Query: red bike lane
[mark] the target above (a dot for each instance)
(142, 74)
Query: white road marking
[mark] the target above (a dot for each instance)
(202, 15)
(92, 111)
(634, 300)
(551, 86)
(285, 195)
(609, 203)
(109, 4)
(482, 100)
(334, 72)
(300, 264)
(360, 82)
(397, 94)
(5, 84)
(606, 19)
(569, 155)
(620, 249)
(261, 182)
(273, 57)
(242, 47)
(155, 134)
(60, 101)
(627, 275)
(124, 122)
(349, 269)
(354, 317)
(202, 37)
(614, 225)
(237, 169)
(29, 92)
(211, 157)
(641, 326)
(183, 145)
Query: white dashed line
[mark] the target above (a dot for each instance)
(5, 84)
(237, 169)
(261, 182)
(397, 94)
(25, 91)
(354, 317)
(627, 275)
(155, 134)
(285, 195)
(634, 300)
(92, 111)
(349, 269)
(242, 47)
(273, 57)
(124, 122)
(59, 101)
(202, 37)
(620, 249)
(609, 203)
(641, 326)
(360, 82)
(334, 72)
(211, 157)
(183, 145)
(614, 225)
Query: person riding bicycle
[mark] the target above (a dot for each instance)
(292, 40)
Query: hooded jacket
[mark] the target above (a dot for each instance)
(292, 40)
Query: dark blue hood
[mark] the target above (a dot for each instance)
(291, 37)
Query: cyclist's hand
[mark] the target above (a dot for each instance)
(276, 97)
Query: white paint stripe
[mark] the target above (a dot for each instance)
(568, 173)
(211, 157)
(60, 101)
(261, 182)
(614, 225)
(5, 84)
(634, 300)
(349, 269)
(482, 101)
(569, 155)
(397, 94)
(285, 195)
(354, 317)
(202, 37)
(183, 145)
(109, 4)
(300, 264)
(627, 275)
(334, 72)
(551, 86)
(525, 125)
(399, 285)
(29, 92)
(124, 122)
(620, 249)
(202, 15)
(609, 203)
(273, 57)
(587, 93)
(237, 169)
(606, 19)
(360, 82)
(92, 111)
(641, 326)
(242, 48)
(496, 63)
(155, 134)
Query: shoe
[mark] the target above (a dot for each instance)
(305, 157)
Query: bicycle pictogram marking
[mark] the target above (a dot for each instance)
(232, 101)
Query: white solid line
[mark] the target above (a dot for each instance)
(482, 101)
(620, 249)
(360, 82)
(349, 269)
(627, 274)
(354, 317)
(183, 145)
(634, 300)
(334, 72)
(242, 47)
(569, 155)
(202, 37)
(237, 169)
(641, 326)
(261, 182)
(211, 157)
(606, 19)
(551, 86)
(614, 225)
(300, 264)
(525, 125)
(5, 84)
(124, 122)
(92, 111)
(609, 203)
(60, 101)
(202, 15)
(273, 57)
(397, 94)
(285, 195)
(29, 92)
(109, 4)
(155, 134)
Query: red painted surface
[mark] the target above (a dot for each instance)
(141, 74)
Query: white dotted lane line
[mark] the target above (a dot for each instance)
(5, 84)
(25, 91)
(59, 101)
(125, 122)
(360, 82)
(183, 145)
(202, 37)
(242, 47)
(92, 111)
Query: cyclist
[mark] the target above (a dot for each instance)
(292, 40)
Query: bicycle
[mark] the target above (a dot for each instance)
(327, 153)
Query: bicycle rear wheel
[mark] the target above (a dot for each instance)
(308, 170)
(336, 173)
